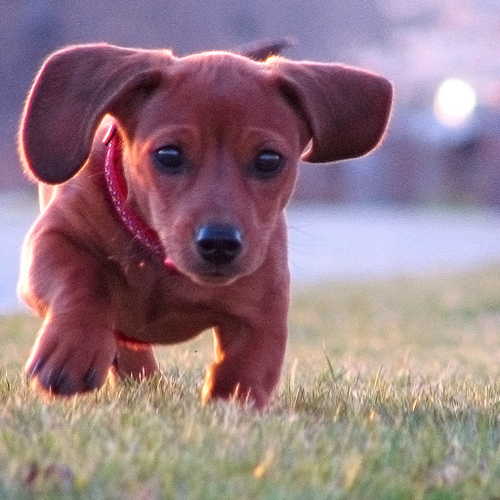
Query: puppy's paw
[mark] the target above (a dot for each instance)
(219, 384)
(69, 363)
(134, 360)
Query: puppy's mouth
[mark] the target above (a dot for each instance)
(203, 274)
(216, 276)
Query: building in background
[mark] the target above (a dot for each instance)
(418, 44)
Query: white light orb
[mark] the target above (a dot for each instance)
(454, 102)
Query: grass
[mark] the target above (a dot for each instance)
(391, 390)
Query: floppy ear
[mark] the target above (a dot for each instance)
(262, 50)
(346, 109)
(73, 91)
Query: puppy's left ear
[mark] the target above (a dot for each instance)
(345, 108)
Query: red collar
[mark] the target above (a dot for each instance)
(118, 191)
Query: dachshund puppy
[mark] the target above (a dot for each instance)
(163, 184)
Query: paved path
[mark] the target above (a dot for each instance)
(326, 242)
(365, 242)
(17, 212)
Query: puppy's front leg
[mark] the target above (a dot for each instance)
(248, 360)
(66, 285)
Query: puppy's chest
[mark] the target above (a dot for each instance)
(146, 284)
(156, 305)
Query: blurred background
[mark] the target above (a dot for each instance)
(442, 148)
(443, 144)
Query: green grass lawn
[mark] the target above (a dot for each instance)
(391, 390)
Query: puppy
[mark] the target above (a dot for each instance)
(163, 184)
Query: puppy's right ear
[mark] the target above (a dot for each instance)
(73, 91)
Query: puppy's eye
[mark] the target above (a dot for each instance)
(170, 160)
(268, 164)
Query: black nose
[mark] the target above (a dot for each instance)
(219, 244)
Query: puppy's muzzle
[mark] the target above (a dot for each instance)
(218, 244)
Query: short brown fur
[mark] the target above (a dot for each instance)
(106, 299)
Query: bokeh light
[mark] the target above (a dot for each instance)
(454, 102)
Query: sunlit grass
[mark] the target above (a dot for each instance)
(390, 391)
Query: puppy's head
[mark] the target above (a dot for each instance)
(211, 141)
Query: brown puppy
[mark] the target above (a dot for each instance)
(163, 187)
